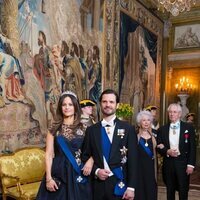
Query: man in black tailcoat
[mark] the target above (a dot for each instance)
(176, 143)
(115, 166)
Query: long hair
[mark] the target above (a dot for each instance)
(43, 36)
(97, 52)
(74, 45)
(81, 51)
(65, 47)
(59, 114)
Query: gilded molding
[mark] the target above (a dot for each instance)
(108, 46)
(135, 10)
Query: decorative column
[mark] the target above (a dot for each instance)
(111, 46)
(96, 14)
(166, 72)
(84, 12)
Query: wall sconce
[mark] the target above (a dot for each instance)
(184, 86)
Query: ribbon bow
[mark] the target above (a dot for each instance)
(175, 125)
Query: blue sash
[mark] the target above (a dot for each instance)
(69, 155)
(105, 144)
(120, 187)
(147, 149)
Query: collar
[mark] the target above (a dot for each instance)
(109, 123)
(175, 125)
(85, 117)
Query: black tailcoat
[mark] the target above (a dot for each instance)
(92, 146)
(174, 169)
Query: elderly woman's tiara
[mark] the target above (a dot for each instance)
(69, 92)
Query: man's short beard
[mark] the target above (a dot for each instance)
(106, 114)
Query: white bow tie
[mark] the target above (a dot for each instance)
(104, 123)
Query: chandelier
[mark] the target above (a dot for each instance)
(176, 6)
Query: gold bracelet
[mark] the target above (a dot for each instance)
(47, 181)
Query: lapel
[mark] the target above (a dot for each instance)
(116, 140)
(97, 138)
(167, 135)
(181, 137)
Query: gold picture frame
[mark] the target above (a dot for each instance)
(185, 37)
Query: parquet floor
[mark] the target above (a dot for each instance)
(194, 193)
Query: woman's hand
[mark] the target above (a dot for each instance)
(51, 185)
(160, 146)
(87, 168)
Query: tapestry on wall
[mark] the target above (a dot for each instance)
(138, 63)
(59, 49)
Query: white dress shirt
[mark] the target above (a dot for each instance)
(109, 127)
(174, 135)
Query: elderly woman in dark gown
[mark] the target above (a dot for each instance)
(147, 186)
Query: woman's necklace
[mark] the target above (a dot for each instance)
(146, 143)
(146, 139)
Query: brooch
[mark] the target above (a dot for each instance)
(121, 133)
(123, 153)
(79, 132)
(79, 179)
(186, 136)
(78, 156)
(121, 184)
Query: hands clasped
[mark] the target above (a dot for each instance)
(173, 152)
(103, 174)
(160, 146)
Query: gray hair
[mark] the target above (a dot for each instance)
(143, 113)
(178, 106)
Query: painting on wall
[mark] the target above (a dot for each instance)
(186, 36)
(51, 55)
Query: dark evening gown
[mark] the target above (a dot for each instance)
(147, 186)
(63, 171)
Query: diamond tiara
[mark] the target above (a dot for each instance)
(69, 92)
